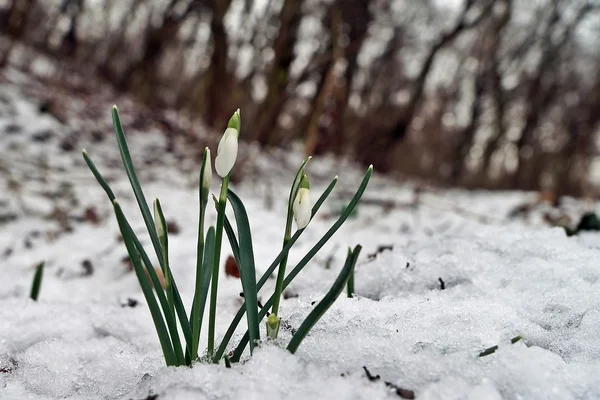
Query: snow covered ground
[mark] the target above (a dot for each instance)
(460, 277)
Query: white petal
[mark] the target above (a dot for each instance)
(226, 152)
(302, 208)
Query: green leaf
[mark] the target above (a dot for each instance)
(197, 311)
(227, 362)
(98, 176)
(350, 284)
(233, 242)
(296, 270)
(238, 316)
(135, 183)
(37, 281)
(246, 266)
(179, 308)
(516, 339)
(298, 180)
(488, 351)
(201, 293)
(143, 205)
(134, 255)
(163, 236)
(492, 350)
(333, 293)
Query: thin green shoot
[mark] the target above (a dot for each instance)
(333, 293)
(36, 285)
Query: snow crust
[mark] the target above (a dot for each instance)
(501, 279)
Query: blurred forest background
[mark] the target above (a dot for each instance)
(478, 93)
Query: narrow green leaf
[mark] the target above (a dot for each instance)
(37, 281)
(246, 266)
(197, 311)
(134, 255)
(351, 284)
(98, 176)
(488, 351)
(233, 242)
(492, 350)
(238, 316)
(296, 270)
(139, 195)
(179, 308)
(135, 183)
(333, 293)
(163, 236)
(201, 293)
(164, 302)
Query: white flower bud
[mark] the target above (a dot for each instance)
(158, 221)
(302, 208)
(227, 152)
(207, 176)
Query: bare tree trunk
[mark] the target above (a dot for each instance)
(540, 94)
(142, 76)
(277, 78)
(18, 15)
(317, 137)
(467, 137)
(73, 9)
(377, 147)
(356, 17)
(218, 76)
(498, 94)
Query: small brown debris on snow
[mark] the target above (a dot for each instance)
(231, 268)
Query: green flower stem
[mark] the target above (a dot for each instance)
(302, 263)
(217, 259)
(287, 236)
(238, 316)
(196, 309)
(282, 265)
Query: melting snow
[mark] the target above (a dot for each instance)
(500, 279)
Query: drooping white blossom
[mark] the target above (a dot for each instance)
(227, 152)
(302, 205)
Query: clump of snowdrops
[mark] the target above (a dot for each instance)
(166, 307)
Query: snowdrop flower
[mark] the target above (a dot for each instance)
(207, 177)
(302, 206)
(228, 146)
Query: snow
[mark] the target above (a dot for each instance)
(502, 278)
